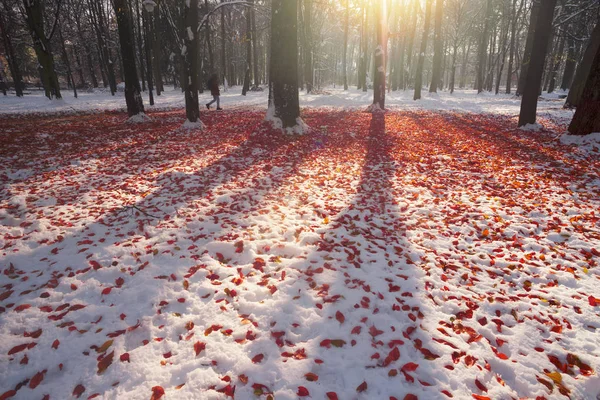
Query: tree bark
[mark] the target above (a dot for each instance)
(380, 50)
(254, 45)
(569, 65)
(345, 50)
(558, 57)
(483, 44)
(421, 59)
(65, 58)
(283, 78)
(535, 9)
(133, 98)
(223, 47)
(437, 47)
(513, 34)
(156, 47)
(248, 40)
(308, 54)
(543, 28)
(148, 47)
(35, 21)
(411, 42)
(587, 116)
(192, 109)
(13, 62)
(583, 70)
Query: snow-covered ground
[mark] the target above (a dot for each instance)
(417, 254)
(460, 101)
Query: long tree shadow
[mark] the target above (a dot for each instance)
(357, 300)
(83, 257)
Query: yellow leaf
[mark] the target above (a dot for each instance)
(555, 376)
(105, 346)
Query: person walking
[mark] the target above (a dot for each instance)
(213, 85)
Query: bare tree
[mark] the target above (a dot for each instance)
(284, 104)
(542, 29)
(421, 59)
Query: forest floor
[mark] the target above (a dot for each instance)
(411, 254)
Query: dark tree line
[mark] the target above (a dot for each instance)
(522, 46)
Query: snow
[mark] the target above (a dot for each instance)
(139, 119)
(531, 127)
(430, 248)
(188, 125)
(461, 101)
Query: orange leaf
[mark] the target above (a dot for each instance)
(340, 317)
(311, 377)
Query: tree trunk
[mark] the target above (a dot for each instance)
(542, 28)
(133, 98)
(211, 56)
(254, 45)
(481, 67)
(587, 116)
(248, 40)
(345, 50)
(557, 61)
(411, 42)
(421, 59)
(453, 68)
(513, 34)
(140, 45)
(148, 47)
(583, 70)
(156, 47)
(437, 47)
(284, 103)
(13, 62)
(192, 109)
(65, 58)
(35, 21)
(98, 21)
(223, 48)
(308, 55)
(535, 9)
(569, 65)
(380, 50)
(362, 69)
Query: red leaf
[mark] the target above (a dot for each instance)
(55, 344)
(258, 358)
(480, 386)
(78, 391)
(331, 396)
(478, 397)
(124, 357)
(106, 291)
(199, 347)
(410, 397)
(18, 348)
(409, 367)
(8, 394)
(393, 356)
(36, 379)
(340, 317)
(22, 307)
(105, 362)
(356, 330)
(362, 387)
(157, 392)
(302, 391)
(95, 264)
(593, 301)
